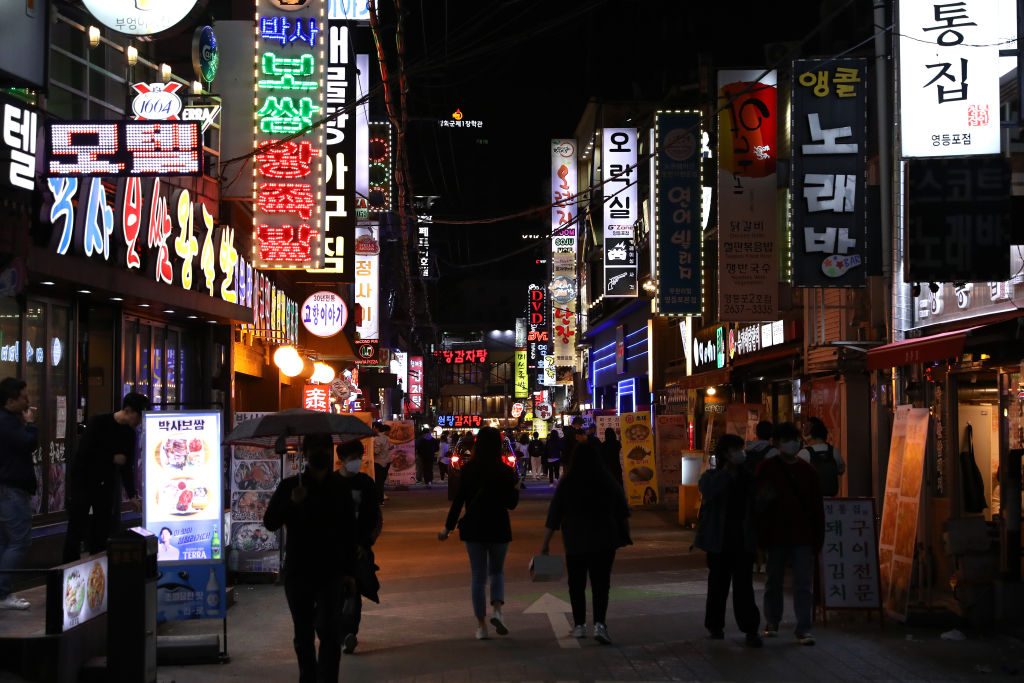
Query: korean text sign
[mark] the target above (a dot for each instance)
(829, 140)
(849, 557)
(289, 172)
(522, 383)
(678, 213)
(639, 465)
(124, 148)
(538, 335)
(564, 228)
(748, 280)
(367, 276)
(949, 78)
(619, 175)
(18, 127)
(415, 384)
(182, 466)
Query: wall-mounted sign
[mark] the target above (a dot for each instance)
(124, 148)
(352, 10)
(543, 411)
(316, 397)
(708, 349)
(324, 314)
(379, 170)
(139, 17)
(517, 409)
(459, 420)
(367, 276)
(415, 384)
(423, 245)
(18, 152)
(289, 170)
(205, 114)
(619, 174)
(205, 53)
(459, 120)
(744, 339)
(949, 78)
(564, 227)
(366, 351)
(522, 380)
(538, 335)
(156, 101)
(457, 356)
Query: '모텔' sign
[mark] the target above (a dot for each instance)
(124, 148)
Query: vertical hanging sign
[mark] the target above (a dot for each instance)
(289, 171)
(748, 279)
(564, 228)
(367, 274)
(677, 194)
(829, 133)
(619, 173)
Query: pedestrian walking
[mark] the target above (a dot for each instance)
(790, 518)
(381, 458)
(590, 508)
(103, 463)
(827, 460)
(726, 534)
(610, 450)
(760, 448)
(19, 438)
(536, 451)
(320, 556)
(554, 451)
(522, 450)
(368, 525)
(444, 459)
(426, 446)
(488, 488)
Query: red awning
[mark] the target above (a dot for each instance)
(922, 350)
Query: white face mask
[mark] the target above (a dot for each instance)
(353, 466)
(737, 457)
(789, 447)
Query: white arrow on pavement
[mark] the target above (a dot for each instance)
(556, 609)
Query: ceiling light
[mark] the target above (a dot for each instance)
(47, 282)
(192, 317)
(168, 310)
(94, 36)
(143, 305)
(116, 298)
(84, 291)
(711, 391)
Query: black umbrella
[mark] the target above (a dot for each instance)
(291, 425)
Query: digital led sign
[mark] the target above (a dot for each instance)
(459, 420)
(459, 356)
(124, 148)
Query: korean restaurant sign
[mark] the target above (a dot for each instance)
(949, 78)
(538, 334)
(744, 339)
(18, 127)
(958, 226)
(459, 356)
(123, 148)
(619, 175)
(182, 470)
(316, 397)
(459, 420)
(139, 17)
(709, 352)
(367, 276)
(274, 315)
(677, 216)
(748, 278)
(339, 194)
(965, 300)
(829, 151)
(324, 314)
(288, 226)
(415, 384)
(564, 229)
(423, 245)
(522, 382)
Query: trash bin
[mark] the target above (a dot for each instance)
(131, 607)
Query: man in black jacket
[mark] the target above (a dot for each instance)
(316, 509)
(104, 461)
(18, 439)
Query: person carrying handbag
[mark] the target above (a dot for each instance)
(488, 488)
(590, 508)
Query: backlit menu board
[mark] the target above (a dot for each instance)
(81, 593)
(181, 460)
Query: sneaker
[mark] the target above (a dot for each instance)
(498, 624)
(386, 497)
(12, 601)
(481, 633)
(754, 640)
(717, 634)
(350, 643)
(579, 631)
(805, 639)
(771, 630)
(601, 634)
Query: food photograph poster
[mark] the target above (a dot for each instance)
(639, 470)
(255, 473)
(403, 453)
(183, 484)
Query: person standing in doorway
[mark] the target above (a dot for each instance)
(726, 534)
(790, 518)
(488, 488)
(315, 507)
(381, 458)
(103, 463)
(590, 508)
(19, 438)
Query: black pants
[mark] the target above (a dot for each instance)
(735, 567)
(92, 529)
(316, 606)
(351, 612)
(442, 469)
(380, 473)
(599, 566)
(553, 470)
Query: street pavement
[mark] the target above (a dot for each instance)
(423, 630)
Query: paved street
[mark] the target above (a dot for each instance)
(423, 629)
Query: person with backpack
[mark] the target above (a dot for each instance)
(825, 457)
(760, 448)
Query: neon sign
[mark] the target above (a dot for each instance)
(124, 148)
(459, 356)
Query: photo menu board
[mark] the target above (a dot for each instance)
(80, 590)
(182, 464)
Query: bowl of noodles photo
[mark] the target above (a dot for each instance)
(74, 592)
(96, 586)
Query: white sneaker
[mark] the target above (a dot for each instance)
(601, 634)
(481, 633)
(579, 631)
(498, 624)
(12, 601)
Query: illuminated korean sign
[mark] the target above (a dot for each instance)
(829, 141)
(288, 173)
(538, 334)
(274, 315)
(459, 356)
(415, 391)
(354, 10)
(324, 314)
(678, 237)
(18, 157)
(367, 352)
(949, 78)
(367, 274)
(709, 352)
(619, 174)
(316, 397)
(747, 339)
(139, 17)
(124, 148)
(156, 101)
(522, 383)
(399, 366)
(423, 245)
(459, 420)
(564, 225)
(459, 120)
(748, 271)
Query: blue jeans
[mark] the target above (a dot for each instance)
(15, 532)
(802, 557)
(486, 559)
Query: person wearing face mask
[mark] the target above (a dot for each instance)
(368, 526)
(316, 509)
(726, 534)
(789, 509)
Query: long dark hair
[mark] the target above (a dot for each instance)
(487, 447)
(587, 482)
(609, 435)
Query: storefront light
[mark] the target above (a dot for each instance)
(116, 298)
(711, 391)
(131, 54)
(322, 373)
(287, 359)
(94, 36)
(85, 291)
(143, 305)
(48, 283)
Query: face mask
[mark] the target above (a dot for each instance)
(737, 457)
(321, 461)
(353, 466)
(789, 447)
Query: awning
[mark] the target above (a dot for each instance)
(704, 379)
(922, 350)
(769, 356)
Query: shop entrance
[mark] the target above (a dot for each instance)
(978, 414)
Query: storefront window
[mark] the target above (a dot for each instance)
(142, 379)
(158, 366)
(33, 347)
(172, 369)
(59, 386)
